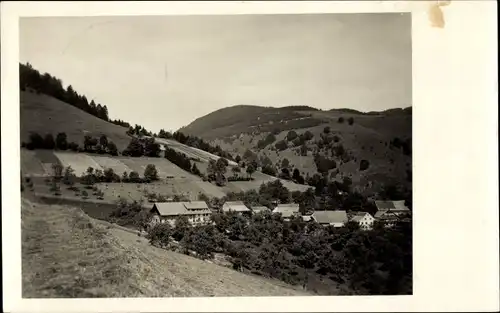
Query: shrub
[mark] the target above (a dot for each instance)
(112, 149)
(69, 177)
(266, 141)
(57, 170)
(61, 141)
(291, 135)
(281, 145)
(151, 173)
(363, 165)
(159, 234)
(307, 136)
(350, 120)
(340, 120)
(269, 170)
(48, 142)
(73, 146)
(326, 130)
(134, 177)
(35, 141)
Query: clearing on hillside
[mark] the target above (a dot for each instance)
(78, 161)
(113, 163)
(44, 114)
(66, 254)
(165, 167)
(31, 165)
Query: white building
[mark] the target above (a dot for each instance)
(364, 219)
(197, 212)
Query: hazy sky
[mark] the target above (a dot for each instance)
(166, 71)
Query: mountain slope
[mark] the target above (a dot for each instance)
(44, 114)
(67, 254)
(250, 119)
(383, 139)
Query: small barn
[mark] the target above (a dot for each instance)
(330, 218)
(235, 206)
(287, 210)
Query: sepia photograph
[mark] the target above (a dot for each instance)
(182, 156)
(249, 156)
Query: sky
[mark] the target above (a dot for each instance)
(166, 71)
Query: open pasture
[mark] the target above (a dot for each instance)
(31, 165)
(165, 168)
(79, 162)
(113, 163)
(168, 188)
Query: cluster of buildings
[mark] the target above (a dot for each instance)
(198, 213)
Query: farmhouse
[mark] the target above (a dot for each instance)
(287, 210)
(330, 218)
(364, 219)
(197, 212)
(235, 206)
(391, 211)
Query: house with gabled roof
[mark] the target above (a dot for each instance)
(235, 206)
(364, 219)
(389, 212)
(287, 210)
(330, 218)
(197, 212)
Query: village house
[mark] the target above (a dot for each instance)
(330, 218)
(236, 206)
(287, 210)
(364, 219)
(389, 212)
(197, 212)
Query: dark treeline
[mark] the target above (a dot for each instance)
(139, 147)
(195, 142)
(100, 145)
(53, 86)
(182, 161)
(31, 78)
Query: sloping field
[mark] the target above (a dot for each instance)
(44, 114)
(66, 254)
(190, 151)
(169, 188)
(31, 165)
(78, 161)
(165, 168)
(116, 165)
(209, 189)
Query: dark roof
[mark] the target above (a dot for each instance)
(398, 205)
(181, 208)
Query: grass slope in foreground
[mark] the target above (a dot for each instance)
(67, 254)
